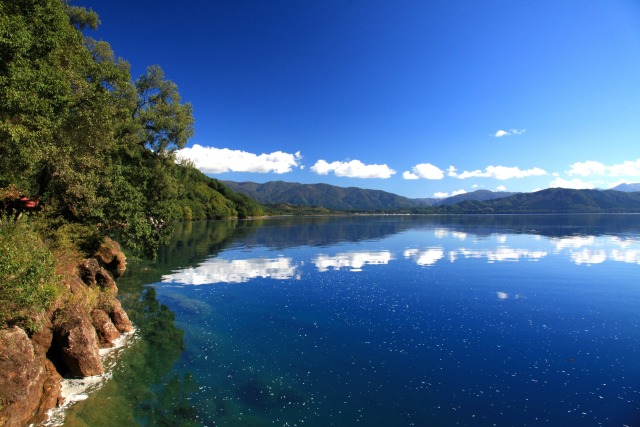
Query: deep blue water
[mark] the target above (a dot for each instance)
(397, 321)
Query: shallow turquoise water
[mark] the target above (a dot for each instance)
(399, 321)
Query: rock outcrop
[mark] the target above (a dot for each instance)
(107, 332)
(68, 342)
(120, 318)
(77, 343)
(111, 257)
(22, 379)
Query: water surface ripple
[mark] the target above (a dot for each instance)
(389, 321)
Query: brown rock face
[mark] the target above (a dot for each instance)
(120, 318)
(51, 387)
(29, 380)
(23, 378)
(105, 281)
(107, 332)
(42, 339)
(94, 275)
(88, 270)
(111, 257)
(77, 343)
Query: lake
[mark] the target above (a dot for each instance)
(382, 321)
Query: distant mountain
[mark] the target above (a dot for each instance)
(629, 188)
(323, 195)
(553, 200)
(478, 195)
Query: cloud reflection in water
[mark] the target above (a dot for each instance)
(351, 260)
(218, 270)
(425, 257)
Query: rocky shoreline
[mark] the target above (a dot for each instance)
(68, 343)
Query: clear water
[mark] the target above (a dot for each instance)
(384, 321)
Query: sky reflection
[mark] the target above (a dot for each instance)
(581, 250)
(353, 261)
(218, 270)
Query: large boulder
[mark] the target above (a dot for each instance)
(22, 377)
(52, 388)
(93, 274)
(119, 317)
(42, 339)
(88, 270)
(107, 332)
(105, 281)
(111, 257)
(77, 345)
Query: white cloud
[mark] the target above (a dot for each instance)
(591, 167)
(501, 188)
(627, 168)
(587, 168)
(409, 175)
(500, 133)
(352, 169)
(451, 171)
(444, 195)
(575, 184)
(220, 160)
(424, 171)
(502, 173)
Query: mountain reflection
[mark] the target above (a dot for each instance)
(495, 240)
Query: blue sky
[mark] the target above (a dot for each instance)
(419, 98)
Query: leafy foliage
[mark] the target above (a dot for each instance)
(94, 145)
(27, 276)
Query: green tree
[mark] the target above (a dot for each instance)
(96, 147)
(165, 123)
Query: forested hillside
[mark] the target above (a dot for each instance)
(87, 152)
(86, 147)
(297, 197)
(322, 195)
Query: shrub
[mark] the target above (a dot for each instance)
(27, 276)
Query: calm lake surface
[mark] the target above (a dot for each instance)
(383, 321)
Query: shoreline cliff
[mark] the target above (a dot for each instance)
(89, 317)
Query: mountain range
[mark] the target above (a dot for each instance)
(554, 200)
(345, 198)
(629, 188)
(623, 198)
